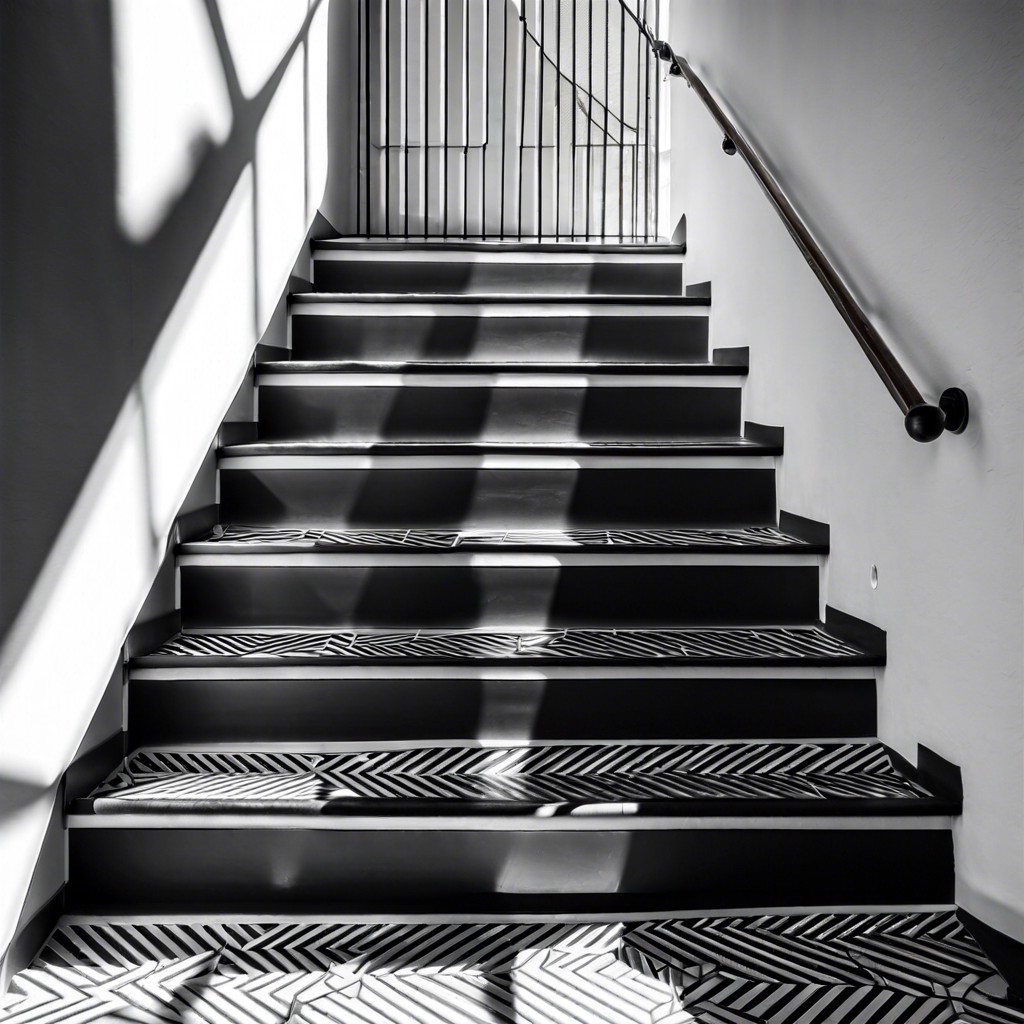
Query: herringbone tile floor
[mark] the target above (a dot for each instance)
(896, 968)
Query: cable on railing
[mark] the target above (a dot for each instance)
(923, 421)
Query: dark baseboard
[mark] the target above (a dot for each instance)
(271, 353)
(86, 772)
(738, 355)
(679, 234)
(809, 530)
(935, 773)
(147, 636)
(855, 631)
(763, 433)
(196, 523)
(31, 938)
(236, 432)
(1006, 953)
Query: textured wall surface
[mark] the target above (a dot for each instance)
(896, 130)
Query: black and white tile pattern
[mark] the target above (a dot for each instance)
(770, 643)
(446, 540)
(882, 968)
(588, 773)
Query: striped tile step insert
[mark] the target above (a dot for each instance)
(750, 537)
(889, 968)
(776, 645)
(692, 778)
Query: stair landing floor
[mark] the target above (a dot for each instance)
(755, 968)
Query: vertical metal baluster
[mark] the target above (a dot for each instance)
(657, 133)
(465, 119)
(622, 112)
(386, 53)
(558, 122)
(572, 145)
(590, 108)
(522, 129)
(647, 138)
(504, 113)
(444, 115)
(604, 141)
(486, 119)
(641, 59)
(359, 117)
(405, 129)
(540, 128)
(425, 31)
(366, 100)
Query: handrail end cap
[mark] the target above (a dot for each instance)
(925, 422)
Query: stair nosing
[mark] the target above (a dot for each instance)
(697, 450)
(312, 298)
(510, 367)
(938, 815)
(399, 245)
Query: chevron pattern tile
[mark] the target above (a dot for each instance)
(689, 644)
(246, 780)
(751, 536)
(891, 968)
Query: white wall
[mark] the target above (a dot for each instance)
(896, 130)
(228, 161)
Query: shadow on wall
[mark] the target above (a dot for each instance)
(163, 161)
(125, 129)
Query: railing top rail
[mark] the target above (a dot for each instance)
(923, 421)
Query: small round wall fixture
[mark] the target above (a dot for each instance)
(953, 402)
(874, 577)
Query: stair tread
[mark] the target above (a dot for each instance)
(259, 538)
(775, 645)
(300, 366)
(691, 446)
(762, 777)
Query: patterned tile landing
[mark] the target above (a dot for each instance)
(446, 540)
(313, 783)
(793, 644)
(896, 968)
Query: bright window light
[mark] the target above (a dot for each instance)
(163, 132)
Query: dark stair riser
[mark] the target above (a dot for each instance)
(185, 710)
(498, 498)
(469, 278)
(296, 413)
(287, 869)
(465, 596)
(543, 339)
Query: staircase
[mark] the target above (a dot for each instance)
(501, 621)
(501, 616)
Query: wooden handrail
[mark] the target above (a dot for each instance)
(924, 422)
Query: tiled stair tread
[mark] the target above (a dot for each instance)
(677, 774)
(728, 539)
(687, 446)
(300, 366)
(882, 968)
(775, 645)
